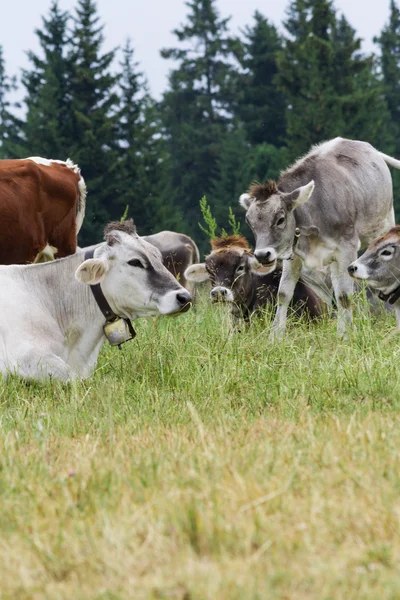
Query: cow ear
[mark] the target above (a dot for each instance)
(197, 273)
(258, 269)
(299, 195)
(245, 200)
(92, 271)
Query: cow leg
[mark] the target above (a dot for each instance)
(290, 275)
(34, 366)
(343, 286)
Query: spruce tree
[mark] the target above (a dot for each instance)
(197, 108)
(389, 42)
(93, 115)
(330, 87)
(260, 104)
(139, 163)
(48, 98)
(10, 124)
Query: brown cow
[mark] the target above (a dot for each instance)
(230, 268)
(42, 204)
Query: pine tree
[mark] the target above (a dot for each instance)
(139, 165)
(10, 124)
(330, 87)
(92, 121)
(48, 98)
(197, 108)
(260, 105)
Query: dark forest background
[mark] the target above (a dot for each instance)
(237, 109)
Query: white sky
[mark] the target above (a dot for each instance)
(150, 23)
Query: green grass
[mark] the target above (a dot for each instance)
(200, 463)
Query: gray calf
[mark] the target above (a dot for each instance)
(339, 198)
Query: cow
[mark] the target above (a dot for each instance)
(178, 252)
(379, 267)
(323, 209)
(52, 324)
(236, 277)
(42, 206)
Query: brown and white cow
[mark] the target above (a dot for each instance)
(237, 278)
(178, 252)
(42, 205)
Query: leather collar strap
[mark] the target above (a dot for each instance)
(392, 297)
(99, 296)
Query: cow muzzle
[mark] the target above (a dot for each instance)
(358, 271)
(266, 256)
(221, 294)
(175, 303)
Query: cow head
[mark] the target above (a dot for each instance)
(379, 266)
(269, 213)
(229, 268)
(132, 276)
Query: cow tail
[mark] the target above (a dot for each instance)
(80, 213)
(393, 162)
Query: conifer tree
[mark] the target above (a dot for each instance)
(389, 42)
(93, 115)
(10, 124)
(139, 165)
(48, 99)
(260, 104)
(330, 87)
(197, 108)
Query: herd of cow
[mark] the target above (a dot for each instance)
(55, 316)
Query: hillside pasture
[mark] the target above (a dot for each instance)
(201, 463)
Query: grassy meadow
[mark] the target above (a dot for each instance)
(200, 463)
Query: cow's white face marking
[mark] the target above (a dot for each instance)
(133, 278)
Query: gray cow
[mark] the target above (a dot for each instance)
(323, 209)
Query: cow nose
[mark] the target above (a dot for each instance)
(352, 269)
(218, 291)
(264, 256)
(184, 297)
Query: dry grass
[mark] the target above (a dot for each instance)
(200, 465)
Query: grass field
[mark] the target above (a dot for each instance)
(204, 464)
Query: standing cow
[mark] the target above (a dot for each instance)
(339, 198)
(42, 205)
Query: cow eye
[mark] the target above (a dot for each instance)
(280, 221)
(387, 252)
(135, 262)
(240, 269)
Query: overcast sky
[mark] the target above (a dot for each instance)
(150, 23)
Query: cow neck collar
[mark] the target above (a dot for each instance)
(116, 329)
(392, 297)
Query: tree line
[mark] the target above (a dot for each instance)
(237, 108)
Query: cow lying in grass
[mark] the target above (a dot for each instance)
(52, 325)
(379, 267)
(236, 278)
